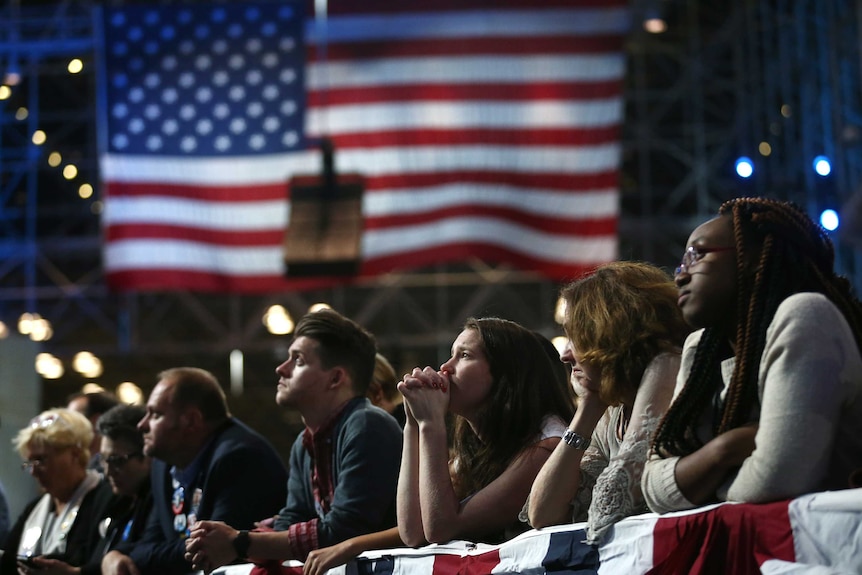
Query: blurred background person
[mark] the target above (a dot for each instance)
(63, 523)
(207, 465)
(383, 389)
(127, 470)
(4, 517)
(92, 406)
(5, 521)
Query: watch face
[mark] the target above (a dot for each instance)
(575, 440)
(241, 543)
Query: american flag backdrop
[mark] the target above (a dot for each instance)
(483, 128)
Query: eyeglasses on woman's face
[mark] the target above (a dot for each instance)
(693, 255)
(41, 460)
(33, 462)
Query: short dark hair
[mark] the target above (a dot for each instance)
(196, 387)
(120, 423)
(97, 402)
(341, 342)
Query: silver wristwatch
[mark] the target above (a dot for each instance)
(576, 440)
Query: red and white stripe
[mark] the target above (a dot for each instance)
(483, 129)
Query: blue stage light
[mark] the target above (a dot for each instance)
(744, 167)
(822, 166)
(829, 220)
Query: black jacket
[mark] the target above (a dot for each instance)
(83, 537)
(243, 480)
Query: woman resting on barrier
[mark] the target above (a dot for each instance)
(625, 335)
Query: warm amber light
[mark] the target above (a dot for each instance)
(92, 388)
(655, 25)
(87, 364)
(130, 393)
(49, 366)
(277, 320)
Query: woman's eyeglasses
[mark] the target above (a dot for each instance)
(29, 464)
(693, 255)
(118, 461)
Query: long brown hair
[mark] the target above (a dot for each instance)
(526, 387)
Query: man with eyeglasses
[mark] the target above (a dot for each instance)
(202, 457)
(128, 471)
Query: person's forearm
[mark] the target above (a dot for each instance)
(379, 540)
(407, 501)
(700, 474)
(559, 479)
(437, 500)
(555, 486)
(270, 545)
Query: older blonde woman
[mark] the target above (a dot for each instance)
(63, 522)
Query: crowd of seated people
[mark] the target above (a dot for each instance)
(671, 393)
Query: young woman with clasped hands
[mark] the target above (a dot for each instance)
(510, 402)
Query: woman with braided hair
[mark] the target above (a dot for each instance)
(768, 402)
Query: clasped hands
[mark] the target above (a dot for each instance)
(426, 393)
(210, 545)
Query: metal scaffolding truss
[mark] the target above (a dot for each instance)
(724, 79)
(775, 80)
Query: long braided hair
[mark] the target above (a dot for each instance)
(792, 254)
